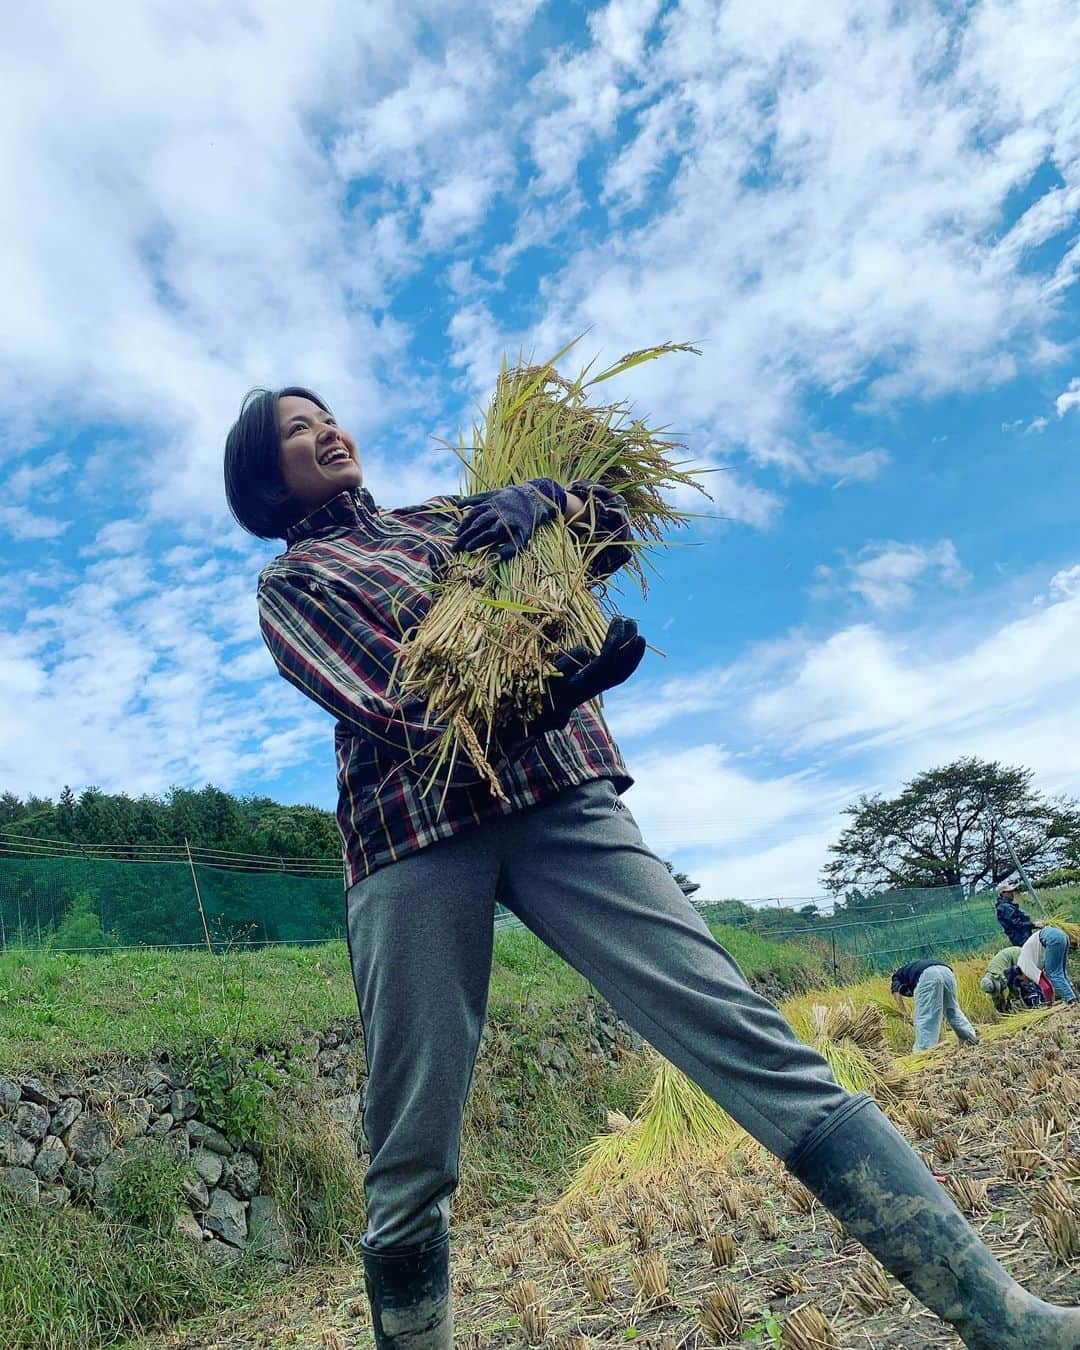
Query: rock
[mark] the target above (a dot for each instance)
(268, 1237)
(134, 1117)
(241, 1174)
(21, 1183)
(162, 1125)
(80, 1180)
(226, 1218)
(348, 1109)
(15, 1151)
(88, 1140)
(195, 1193)
(31, 1121)
(188, 1226)
(208, 1166)
(56, 1196)
(108, 1172)
(65, 1115)
(178, 1141)
(220, 1254)
(205, 1136)
(50, 1160)
(9, 1096)
(183, 1103)
(34, 1090)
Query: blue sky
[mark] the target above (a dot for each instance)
(866, 215)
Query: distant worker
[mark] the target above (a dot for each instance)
(1006, 984)
(1045, 953)
(933, 986)
(1018, 924)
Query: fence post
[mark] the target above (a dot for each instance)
(834, 972)
(1012, 854)
(198, 897)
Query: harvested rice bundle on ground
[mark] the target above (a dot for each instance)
(484, 651)
(677, 1125)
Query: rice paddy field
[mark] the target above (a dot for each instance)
(606, 1204)
(667, 1244)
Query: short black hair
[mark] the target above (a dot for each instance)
(254, 487)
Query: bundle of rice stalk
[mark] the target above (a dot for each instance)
(1070, 928)
(853, 1042)
(677, 1125)
(485, 648)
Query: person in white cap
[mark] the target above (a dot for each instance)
(1018, 925)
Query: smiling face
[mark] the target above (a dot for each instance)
(318, 459)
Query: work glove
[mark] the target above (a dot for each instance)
(581, 677)
(504, 520)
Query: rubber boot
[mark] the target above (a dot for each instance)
(864, 1171)
(409, 1292)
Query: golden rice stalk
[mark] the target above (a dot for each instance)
(787, 1281)
(677, 1125)
(767, 1224)
(1069, 927)
(534, 1323)
(969, 1193)
(1061, 1233)
(485, 647)
(1055, 1194)
(921, 1122)
(560, 1242)
(332, 1339)
(653, 1280)
(644, 1223)
(599, 1286)
(801, 1198)
(722, 1315)
(511, 1256)
(722, 1249)
(730, 1202)
(870, 1289)
(947, 1147)
(808, 1328)
(607, 1230)
(957, 1099)
(520, 1296)
(571, 1343)
(464, 1280)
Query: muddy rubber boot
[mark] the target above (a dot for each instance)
(409, 1292)
(865, 1172)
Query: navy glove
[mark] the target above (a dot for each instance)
(505, 520)
(581, 677)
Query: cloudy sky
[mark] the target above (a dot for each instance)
(864, 213)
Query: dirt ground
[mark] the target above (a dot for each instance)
(1004, 1115)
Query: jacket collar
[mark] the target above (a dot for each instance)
(354, 509)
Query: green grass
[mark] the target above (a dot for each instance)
(62, 1010)
(71, 1280)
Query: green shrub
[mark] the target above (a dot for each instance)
(150, 1187)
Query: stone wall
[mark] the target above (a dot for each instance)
(66, 1139)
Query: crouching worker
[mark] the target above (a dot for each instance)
(1008, 987)
(1043, 957)
(932, 984)
(422, 871)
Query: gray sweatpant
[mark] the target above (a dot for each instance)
(576, 872)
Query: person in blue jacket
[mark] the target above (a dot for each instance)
(1017, 924)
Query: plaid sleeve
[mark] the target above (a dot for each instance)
(606, 520)
(324, 648)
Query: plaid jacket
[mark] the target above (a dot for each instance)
(333, 610)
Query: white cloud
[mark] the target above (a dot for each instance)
(22, 523)
(1069, 399)
(885, 575)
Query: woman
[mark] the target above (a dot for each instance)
(422, 871)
